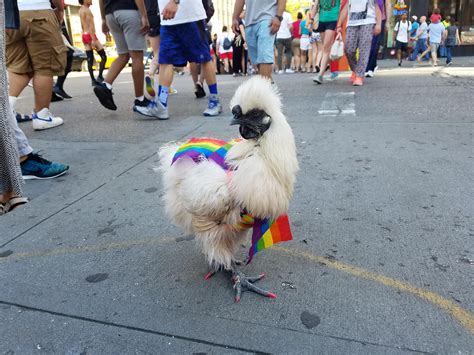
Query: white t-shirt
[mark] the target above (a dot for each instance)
(188, 11)
(220, 39)
(284, 31)
(402, 28)
(361, 12)
(26, 5)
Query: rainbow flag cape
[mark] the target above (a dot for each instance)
(209, 148)
(265, 232)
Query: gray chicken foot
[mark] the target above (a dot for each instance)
(244, 283)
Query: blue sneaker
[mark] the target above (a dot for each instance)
(36, 167)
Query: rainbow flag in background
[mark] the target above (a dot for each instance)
(267, 232)
(209, 148)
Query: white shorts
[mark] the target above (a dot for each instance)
(304, 43)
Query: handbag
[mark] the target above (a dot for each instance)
(337, 48)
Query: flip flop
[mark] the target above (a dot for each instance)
(14, 202)
(3, 209)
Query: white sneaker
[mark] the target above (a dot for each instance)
(161, 112)
(318, 79)
(280, 72)
(369, 74)
(144, 107)
(43, 119)
(289, 71)
(214, 108)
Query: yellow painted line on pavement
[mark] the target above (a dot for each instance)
(457, 312)
(88, 248)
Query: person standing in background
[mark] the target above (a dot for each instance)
(452, 40)
(240, 49)
(224, 48)
(283, 44)
(305, 44)
(386, 9)
(262, 21)
(295, 43)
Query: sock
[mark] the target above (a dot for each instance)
(213, 89)
(109, 86)
(12, 100)
(163, 92)
(103, 60)
(90, 63)
(140, 98)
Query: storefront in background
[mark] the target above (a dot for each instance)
(461, 11)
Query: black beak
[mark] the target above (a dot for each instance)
(253, 123)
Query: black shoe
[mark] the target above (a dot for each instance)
(100, 79)
(94, 83)
(55, 97)
(61, 93)
(22, 118)
(199, 91)
(105, 96)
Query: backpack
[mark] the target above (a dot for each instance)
(227, 44)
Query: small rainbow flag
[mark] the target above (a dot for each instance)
(267, 232)
(209, 148)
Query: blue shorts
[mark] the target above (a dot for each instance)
(260, 42)
(183, 43)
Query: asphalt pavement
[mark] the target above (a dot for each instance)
(382, 260)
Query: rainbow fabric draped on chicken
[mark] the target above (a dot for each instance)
(266, 232)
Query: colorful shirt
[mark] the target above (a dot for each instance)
(329, 10)
(296, 29)
(304, 30)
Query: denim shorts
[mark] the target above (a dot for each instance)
(260, 42)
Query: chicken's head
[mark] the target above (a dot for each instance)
(256, 106)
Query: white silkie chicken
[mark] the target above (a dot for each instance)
(207, 201)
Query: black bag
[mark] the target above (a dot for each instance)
(209, 7)
(12, 15)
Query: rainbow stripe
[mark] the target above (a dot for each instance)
(267, 232)
(208, 148)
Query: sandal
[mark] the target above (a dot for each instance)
(14, 202)
(3, 208)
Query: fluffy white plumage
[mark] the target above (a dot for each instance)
(203, 200)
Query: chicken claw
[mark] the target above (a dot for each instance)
(243, 283)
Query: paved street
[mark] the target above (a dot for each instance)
(382, 217)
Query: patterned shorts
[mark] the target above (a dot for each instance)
(315, 37)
